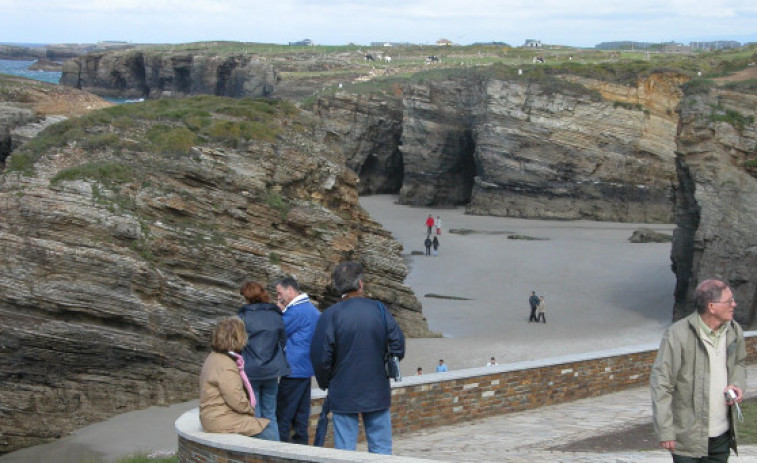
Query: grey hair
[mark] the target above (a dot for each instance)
(706, 292)
(347, 277)
(287, 282)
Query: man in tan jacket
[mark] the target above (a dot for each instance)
(701, 358)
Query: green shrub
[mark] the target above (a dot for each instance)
(168, 139)
(697, 86)
(101, 141)
(107, 173)
(735, 118)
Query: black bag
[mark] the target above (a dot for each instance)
(391, 362)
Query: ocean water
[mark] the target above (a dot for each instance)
(21, 68)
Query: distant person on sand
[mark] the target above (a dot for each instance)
(435, 244)
(540, 309)
(491, 363)
(419, 371)
(698, 379)
(429, 224)
(533, 301)
(442, 367)
(264, 353)
(438, 225)
(227, 402)
(428, 244)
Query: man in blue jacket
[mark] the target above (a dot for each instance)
(347, 351)
(293, 404)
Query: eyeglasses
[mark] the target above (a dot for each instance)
(727, 301)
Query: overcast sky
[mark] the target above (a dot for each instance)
(332, 22)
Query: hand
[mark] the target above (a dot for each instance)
(669, 445)
(737, 390)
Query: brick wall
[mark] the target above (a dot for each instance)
(445, 398)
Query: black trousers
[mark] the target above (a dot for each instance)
(293, 409)
(532, 317)
(718, 451)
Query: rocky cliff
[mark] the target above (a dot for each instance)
(548, 147)
(28, 106)
(124, 235)
(716, 198)
(145, 74)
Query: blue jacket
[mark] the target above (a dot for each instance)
(299, 320)
(266, 338)
(347, 351)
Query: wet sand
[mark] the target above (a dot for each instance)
(601, 292)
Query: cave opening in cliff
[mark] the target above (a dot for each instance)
(455, 184)
(382, 176)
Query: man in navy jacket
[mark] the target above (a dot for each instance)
(293, 405)
(347, 352)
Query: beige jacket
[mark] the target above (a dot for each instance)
(224, 406)
(680, 385)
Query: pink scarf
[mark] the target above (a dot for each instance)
(240, 364)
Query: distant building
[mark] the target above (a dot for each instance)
(303, 43)
(390, 44)
(715, 45)
(531, 43)
(444, 42)
(623, 45)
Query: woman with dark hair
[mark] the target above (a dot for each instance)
(264, 353)
(227, 403)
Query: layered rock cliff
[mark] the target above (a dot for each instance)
(125, 234)
(716, 199)
(145, 74)
(567, 148)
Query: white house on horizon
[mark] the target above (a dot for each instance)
(531, 43)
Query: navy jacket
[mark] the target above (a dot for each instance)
(266, 338)
(347, 352)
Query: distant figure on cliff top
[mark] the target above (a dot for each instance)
(435, 244)
(428, 244)
(533, 301)
(540, 309)
(438, 225)
(264, 353)
(293, 402)
(442, 367)
(491, 363)
(227, 402)
(429, 224)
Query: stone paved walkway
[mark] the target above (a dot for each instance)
(524, 437)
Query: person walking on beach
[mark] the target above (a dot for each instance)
(264, 358)
(347, 351)
(429, 224)
(438, 225)
(419, 371)
(698, 378)
(435, 244)
(442, 367)
(428, 243)
(533, 301)
(293, 402)
(540, 309)
(492, 362)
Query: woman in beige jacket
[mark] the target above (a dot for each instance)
(225, 403)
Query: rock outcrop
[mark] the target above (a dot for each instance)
(130, 234)
(144, 74)
(368, 130)
(561, 148)
(28, 106)
(716, 198)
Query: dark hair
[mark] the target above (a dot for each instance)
(254, 292)
(229, 335)
(706, 292)
(287, 282)
(347, 277)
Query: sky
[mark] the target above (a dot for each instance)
(581, 23)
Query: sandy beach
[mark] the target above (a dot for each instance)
(601, 292)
